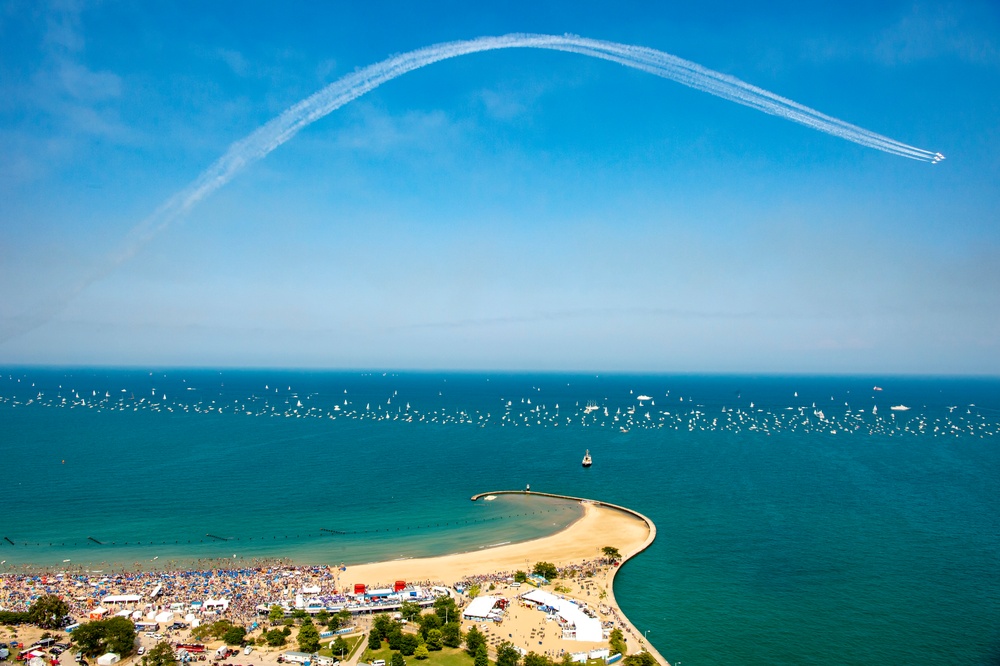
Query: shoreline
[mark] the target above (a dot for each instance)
(573, 548)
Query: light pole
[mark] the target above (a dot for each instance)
(644, 640)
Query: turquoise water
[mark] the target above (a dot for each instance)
(795, 526)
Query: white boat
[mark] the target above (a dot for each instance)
(900, 408)
(587, 462)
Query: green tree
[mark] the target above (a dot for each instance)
(48, 611)
(374, 640)
(13, 617)
(345, 617)
(435, 639)
(286, 631)
(323, 616)
(481, 659)
(520, 576)
(409, 610)
(275, 637)
(119, 636)
(308, 638)
(611, 553)
(474, 640)
(300, 614)
(408, 644)
(382, 624)
(113, 635)
(507, 655)
(427, 622)
(160, 655)
(234, 635)
(395, 637)
(473, 591)
(339, 647)
(89, 638)
(276, 615)
(616, 642)
(533, 659)
(546, 570)
(397, 660)
(446, 609)
(451, 634)
(639, 659)
(567, 659)
(421, 652)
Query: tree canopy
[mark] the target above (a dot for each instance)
(611, 553)
(481, 658)
(639, 659)
(308, 638)
(160, 655)
(535, 659)
(507, 654)
(546, 570)
(48, 611)
(339, 647)
(409, 610)
(451, 634)
(116, 634)
(474, 640)
(616, 642)
(234, 635)
(446, 609)
(275, 637)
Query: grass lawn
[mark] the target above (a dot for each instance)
(352, 643)
(444, 657)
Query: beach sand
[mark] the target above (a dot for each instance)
(582, 540)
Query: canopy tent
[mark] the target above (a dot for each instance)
(480, 608)
(587, 628)
(122, 599)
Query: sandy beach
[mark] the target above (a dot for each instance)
(582, 540)
(585, 575)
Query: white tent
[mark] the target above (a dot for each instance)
(165, 617)
(122, 599)
(108, 659)
(216, 603)
(36, 661)
(587, 628)
(310, 589)
(480, 608)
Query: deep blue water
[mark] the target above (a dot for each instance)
(795, 526)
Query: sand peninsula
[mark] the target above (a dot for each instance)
(586, 576)
(602, 524)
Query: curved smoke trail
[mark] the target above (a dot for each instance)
(274, 133)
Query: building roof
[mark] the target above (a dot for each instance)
(587, 628)
(480, 607)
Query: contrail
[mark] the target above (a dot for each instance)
(259, 143)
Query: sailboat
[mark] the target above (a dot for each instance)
(587, 462)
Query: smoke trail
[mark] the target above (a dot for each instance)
(259, 143)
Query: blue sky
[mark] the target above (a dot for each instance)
(520, 209)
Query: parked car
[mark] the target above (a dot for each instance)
(142, 650)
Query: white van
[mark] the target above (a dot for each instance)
(248, 649)
(378, 662)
